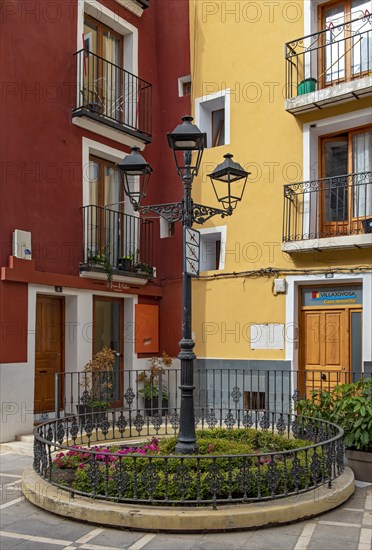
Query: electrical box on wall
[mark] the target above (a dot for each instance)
(22, 244)
(279, 286)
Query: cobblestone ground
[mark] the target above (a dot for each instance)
(24, 526)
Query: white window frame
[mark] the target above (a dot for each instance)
(181, 81)
(220, 231)
(97, 149)
(130, 62)
(116, 23)
(311, 133)
(205, 105)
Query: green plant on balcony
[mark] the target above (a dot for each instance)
(101, 260)
(144, 269)
(126, 263)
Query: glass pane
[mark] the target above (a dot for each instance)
(91, 216)
(112, 188)
(362, 163)
(112, 214)
(91, 67)
(93, 182)
(356, 344)
(107, 333)
(334, 52)
(90, 37)
(111, 75)
(336, 191)
(361, 37)
(218, 130)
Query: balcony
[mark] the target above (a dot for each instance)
(112, 96)
(117, 246)
(330, 66)
(328, 213)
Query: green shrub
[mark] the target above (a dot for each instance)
(349, 406)
(209, 478)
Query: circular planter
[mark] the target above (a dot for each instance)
(187, 519)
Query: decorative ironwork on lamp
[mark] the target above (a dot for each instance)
(136, 174)
(222, 178)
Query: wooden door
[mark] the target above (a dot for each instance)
(325, 349)
(49, 342)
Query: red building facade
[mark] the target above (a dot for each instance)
(81, 83)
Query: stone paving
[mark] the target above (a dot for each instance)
(24, 526)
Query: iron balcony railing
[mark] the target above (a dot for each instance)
(110, 94)
(338, 54)
(328, 207)
(111, 237)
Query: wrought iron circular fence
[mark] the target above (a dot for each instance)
(100, 458)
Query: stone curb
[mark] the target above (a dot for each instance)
(186, 519)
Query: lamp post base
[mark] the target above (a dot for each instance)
(186, 443)
(186, 447)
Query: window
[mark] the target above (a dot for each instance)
(218, 123)
(104, 216)
(212, 248)
(103, 78)
(184, 85)
(166, 229)
(347, 49)
(346, 197)
(111, 99)
(254, 400)
(213, 117)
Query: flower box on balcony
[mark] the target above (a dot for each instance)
(144, 269)
(306, 86)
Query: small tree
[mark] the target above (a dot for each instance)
(97, 379)
(150, 378)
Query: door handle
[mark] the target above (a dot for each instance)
(43, 371)
(323, 377)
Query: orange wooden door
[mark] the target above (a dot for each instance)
(325, 349)
(49, 350)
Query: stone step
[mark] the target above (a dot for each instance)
(27, 438)
(18, 447)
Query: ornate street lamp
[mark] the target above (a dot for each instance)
(136, 174)
(185, 141)
(223, 176)
(186, 138)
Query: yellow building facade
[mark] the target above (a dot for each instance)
(286, 281)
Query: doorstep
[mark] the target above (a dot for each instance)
(23, 445)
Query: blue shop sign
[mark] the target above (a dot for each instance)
(332, 296)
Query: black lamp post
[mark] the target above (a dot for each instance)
(185, 141)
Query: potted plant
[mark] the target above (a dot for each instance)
(350, 407)
(126, 263)
(96, 384)
(100, 260)
(152, 380)
(306, 86)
